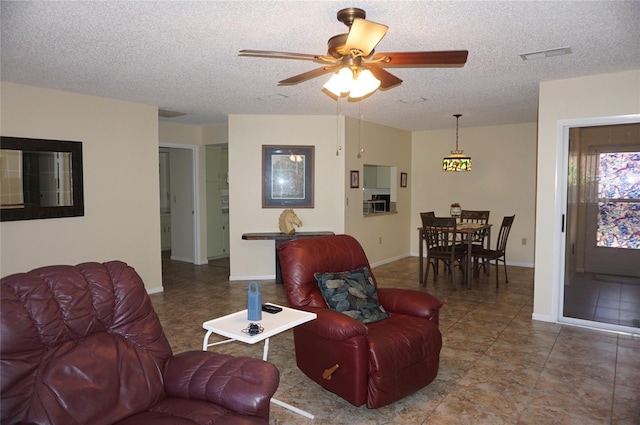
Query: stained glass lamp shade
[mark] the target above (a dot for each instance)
(457, 160)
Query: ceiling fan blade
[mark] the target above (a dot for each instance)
(307, 75)
(364, 36)
(278, 55)
(445, 58)
(387, 79)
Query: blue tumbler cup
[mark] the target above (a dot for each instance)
(254, 302)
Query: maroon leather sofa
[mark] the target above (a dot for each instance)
(377, 363)
(83, 345)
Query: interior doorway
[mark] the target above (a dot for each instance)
(601, 285)
(179, 212)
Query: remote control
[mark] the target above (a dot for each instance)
(271, 308)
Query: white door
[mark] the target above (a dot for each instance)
(182, 205)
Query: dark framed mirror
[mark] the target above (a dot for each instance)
(40, 179)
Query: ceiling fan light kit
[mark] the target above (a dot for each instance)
(457, 161)
(357, 69)
(340, 82)
(365, 84)
(356, 84)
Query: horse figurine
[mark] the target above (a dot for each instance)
(286, 221)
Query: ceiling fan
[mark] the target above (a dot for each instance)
(352, 58)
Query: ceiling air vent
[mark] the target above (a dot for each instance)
(546, 53)
(163, 113)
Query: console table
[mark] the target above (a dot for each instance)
(280, 238)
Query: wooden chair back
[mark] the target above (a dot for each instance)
(426, 215)
(440, 234)
(505, 228)
(474, 216)
(442, 245)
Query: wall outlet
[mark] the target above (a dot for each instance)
(524, 241)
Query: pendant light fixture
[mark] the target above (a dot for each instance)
(457, 161)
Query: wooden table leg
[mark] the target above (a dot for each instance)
(278, 267)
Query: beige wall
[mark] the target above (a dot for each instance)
(247, 134)
(120, 161)
(502, 180)
(384, 237)
(337, 207)
(573, 100)
(215, 134)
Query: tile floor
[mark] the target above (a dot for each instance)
(603, 298)
(497, 365)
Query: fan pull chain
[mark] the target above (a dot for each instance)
(338, 136)
(361, 125)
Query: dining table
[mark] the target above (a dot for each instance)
(466, 231)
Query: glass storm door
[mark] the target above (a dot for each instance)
(602, 251)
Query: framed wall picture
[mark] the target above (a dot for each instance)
(403, 179)
(355, 179)
(287, 176)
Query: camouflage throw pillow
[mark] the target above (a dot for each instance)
(352, 293)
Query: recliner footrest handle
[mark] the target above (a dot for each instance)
(328, 372)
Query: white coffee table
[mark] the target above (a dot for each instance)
(232, 325)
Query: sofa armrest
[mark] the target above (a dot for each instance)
(407, 301)
(333, 325)
(242, 384)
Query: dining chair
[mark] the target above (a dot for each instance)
(426, 215)
(440, 236)
(476, 216)
(498, 254)
(480, 238)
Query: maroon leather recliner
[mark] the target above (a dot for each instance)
(377, 363)
(83, 345)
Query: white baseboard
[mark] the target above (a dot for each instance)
(184, 260)
(373, 265)
(509, 263)
(527, 265)
(218, 257)
(388, 260)
(155, 290)
(543, 318)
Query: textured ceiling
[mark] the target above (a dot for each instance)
(183, 56)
